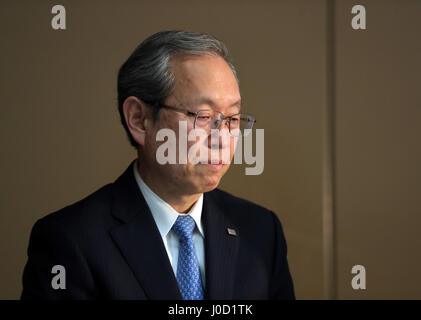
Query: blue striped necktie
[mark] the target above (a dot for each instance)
(188, 272)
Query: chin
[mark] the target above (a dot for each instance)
(208, 184)
(208, 179)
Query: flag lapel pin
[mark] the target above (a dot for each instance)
(231, 232)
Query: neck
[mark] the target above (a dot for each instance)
(179, 201)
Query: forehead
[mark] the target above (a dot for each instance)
(203, 78)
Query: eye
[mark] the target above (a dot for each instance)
(235, 118)
(203, 119)
(204, 115)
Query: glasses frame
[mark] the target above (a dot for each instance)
(194, 114)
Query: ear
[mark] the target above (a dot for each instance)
(138, 118)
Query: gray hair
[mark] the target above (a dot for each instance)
(147, 72)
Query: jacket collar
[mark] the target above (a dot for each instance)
(141, 245)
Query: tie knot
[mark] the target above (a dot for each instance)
(184, 226)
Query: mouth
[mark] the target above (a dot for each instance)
(214, 166)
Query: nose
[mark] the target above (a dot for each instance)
(224, 122)
(220, 139)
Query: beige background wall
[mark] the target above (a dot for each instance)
(61, 138)
(378, 154)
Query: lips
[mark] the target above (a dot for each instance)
(215, 166)
(215, 162)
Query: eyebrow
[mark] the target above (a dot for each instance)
(212, 103)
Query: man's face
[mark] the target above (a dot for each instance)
(202, 83)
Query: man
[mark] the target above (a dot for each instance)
(163, 231)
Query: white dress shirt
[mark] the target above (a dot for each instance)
(165, 217)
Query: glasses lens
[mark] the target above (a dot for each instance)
(203, 119)
(239, 123)
(208, 119)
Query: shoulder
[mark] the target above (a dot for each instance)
(79, 217)
(259, 228)
(229, 201)
(241, 210)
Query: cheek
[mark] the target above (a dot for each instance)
(162, 129)
(233, 145)
(150, 145)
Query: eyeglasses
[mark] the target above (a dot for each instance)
(212, 119)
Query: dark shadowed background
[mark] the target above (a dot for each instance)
(340, 109)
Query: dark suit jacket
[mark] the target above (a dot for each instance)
(111, 248)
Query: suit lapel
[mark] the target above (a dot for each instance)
(139, 240)
(220, 250)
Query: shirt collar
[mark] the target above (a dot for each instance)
(163, 214)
